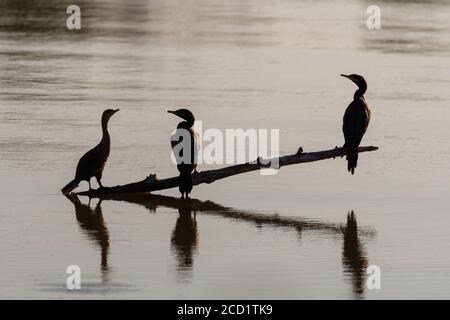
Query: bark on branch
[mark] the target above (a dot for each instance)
(152, 183)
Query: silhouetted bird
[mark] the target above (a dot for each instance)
(186, 163)
(356, 121)
(92, 162)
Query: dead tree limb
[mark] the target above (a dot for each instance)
(152, 183)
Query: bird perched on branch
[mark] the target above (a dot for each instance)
(185, 146)
(356, 121)
(92, 162)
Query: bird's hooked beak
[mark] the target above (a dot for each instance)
(349, 76)
(183, 114)
(357, 79)
(175, 113)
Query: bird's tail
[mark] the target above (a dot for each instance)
(70, 186)
(185, 182)
(352, 159)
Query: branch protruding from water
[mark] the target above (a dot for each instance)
(152, 183)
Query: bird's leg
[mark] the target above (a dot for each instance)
(335, 148)
(195, 171)
(344, 151)
(99, 182)
(341, 152)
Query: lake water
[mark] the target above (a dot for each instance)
(235, 64)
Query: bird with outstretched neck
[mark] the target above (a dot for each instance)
(356, 121)
(186, 153)
(93, 162)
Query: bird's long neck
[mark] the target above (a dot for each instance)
(186, 124)
(105, 136)
(360, 92)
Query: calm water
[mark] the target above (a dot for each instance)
(236, 64)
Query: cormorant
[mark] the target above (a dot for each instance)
(92, 162)
(188, 165)
(356, 121)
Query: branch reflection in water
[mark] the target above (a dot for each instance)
(185, 235)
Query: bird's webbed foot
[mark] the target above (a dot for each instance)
(342, 152)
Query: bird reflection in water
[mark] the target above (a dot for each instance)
(354, 256)
(93, 225)
(185, 239)
(185, 235)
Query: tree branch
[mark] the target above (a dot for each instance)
(152, 183)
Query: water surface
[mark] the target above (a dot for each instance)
(308, 232)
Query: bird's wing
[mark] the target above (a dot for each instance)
(174, 140)
(177, 138)
(195, 146)
(355, 123)
(89, 164)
